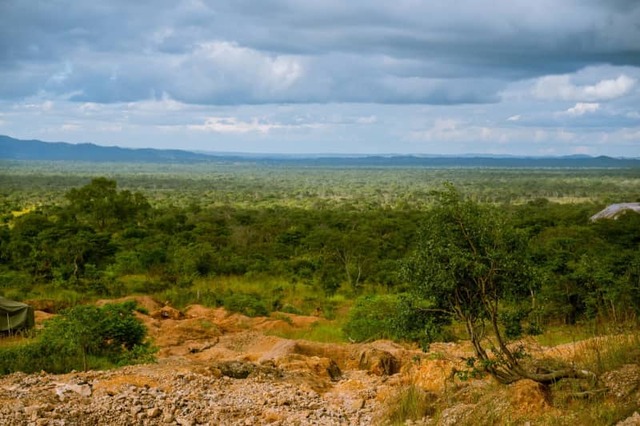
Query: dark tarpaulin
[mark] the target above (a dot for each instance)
(15, 316)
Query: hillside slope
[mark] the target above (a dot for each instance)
(217, 368)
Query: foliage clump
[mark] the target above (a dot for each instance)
(82, 337)
(468, 263)
(251, 305)
(396, 317)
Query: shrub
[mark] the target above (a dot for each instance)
(371, 318)
(290, 309)
(82, 337)
(397, 317)
(250, 305)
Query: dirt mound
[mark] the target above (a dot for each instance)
(527, 396)
(42, 316)
(199, 311)
(44, 305)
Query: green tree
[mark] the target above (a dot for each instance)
(102, 206)
(110, 331)
(470, 260)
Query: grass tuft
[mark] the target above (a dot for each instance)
(411, 403)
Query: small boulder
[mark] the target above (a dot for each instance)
(378, 362)
(167, 312)
(236, 369)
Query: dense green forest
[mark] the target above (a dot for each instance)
(309, 239)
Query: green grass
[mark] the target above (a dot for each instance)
(277, 294)
(411, 403)
(561, 334)
(610, 352)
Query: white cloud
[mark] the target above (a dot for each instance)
(371, 119)
(226, 71)
(231, 125)
(561, 87)
(110, 128)
(62, 75)
(582, 108)
(165, 104)
(235, 125)
(514, 117)
(630, 134)
(70, 127)
(565, 135)
(89, 107)
(610, 89)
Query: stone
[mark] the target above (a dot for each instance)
(378, 362)
(354, 404)
(236, 369)
(634, 420)
(184, 422)
(154, 412)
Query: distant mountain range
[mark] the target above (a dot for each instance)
(16, 149)
(35, 150)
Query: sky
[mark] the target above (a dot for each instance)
(518, 77)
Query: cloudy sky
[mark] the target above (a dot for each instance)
(543, 77)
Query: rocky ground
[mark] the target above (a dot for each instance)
(217, 368)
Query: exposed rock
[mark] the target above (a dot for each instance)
(215, 369)
(154, 412)
(167, 312)
(435, 375)
(455, 415)
(378, 362)
(634, 420)
(622, 382)
(82, 390)
(236, 369)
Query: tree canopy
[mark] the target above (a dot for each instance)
(469, 261)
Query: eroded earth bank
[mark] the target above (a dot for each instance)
(216, 368)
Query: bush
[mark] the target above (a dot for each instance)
(397, 317)
(290, 309)
(250, 305)
(371, 318)
(82, 337)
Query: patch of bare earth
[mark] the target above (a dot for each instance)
(218, 368)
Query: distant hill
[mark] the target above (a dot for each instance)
(16, 149)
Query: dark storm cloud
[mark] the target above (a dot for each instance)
(284, 51)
